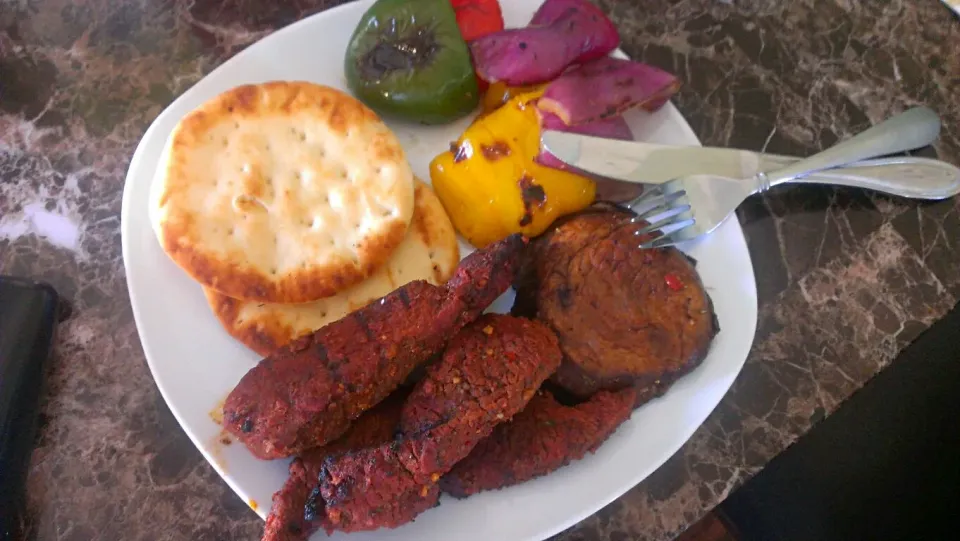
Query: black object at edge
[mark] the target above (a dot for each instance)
(28, 318)
(884, 467)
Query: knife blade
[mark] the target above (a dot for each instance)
(635, 163)
(650, 163)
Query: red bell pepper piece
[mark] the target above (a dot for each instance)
(477, 18)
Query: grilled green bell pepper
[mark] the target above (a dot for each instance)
(407, 59)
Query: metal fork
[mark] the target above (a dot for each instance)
(690, 207)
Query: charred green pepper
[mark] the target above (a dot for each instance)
(407, 59)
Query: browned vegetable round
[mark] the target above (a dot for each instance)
(624, 316)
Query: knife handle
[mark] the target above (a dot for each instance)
(914, 128)
(918, 178)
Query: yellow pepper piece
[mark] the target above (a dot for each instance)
(490, 184)
(499, 93)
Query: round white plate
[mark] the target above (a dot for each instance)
(196, 364)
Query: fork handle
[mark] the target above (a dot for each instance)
(914, 128)
(917, 178)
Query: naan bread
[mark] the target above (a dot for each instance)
(282, 192)
(429, 252)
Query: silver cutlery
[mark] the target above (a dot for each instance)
(637, 162)
(693, 205)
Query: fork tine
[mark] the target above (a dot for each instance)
(647, 193)
(660, 242)
(652, 214)
(644, 209)
(663, 219)
(669, 235)
(663, 224)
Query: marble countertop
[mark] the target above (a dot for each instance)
(846, 278)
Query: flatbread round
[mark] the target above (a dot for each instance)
(282, 192)
(429, 252)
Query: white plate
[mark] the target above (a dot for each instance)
(196, 364)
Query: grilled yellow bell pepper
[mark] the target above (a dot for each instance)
(490, 184)
(499, 94)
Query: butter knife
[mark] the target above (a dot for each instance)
(650, 163)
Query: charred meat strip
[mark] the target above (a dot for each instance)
(370, 489)
(545, 436)
(285, 521)
(307, 393)
(487, 374)
(376, 426)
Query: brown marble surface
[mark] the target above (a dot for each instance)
(846, 278)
